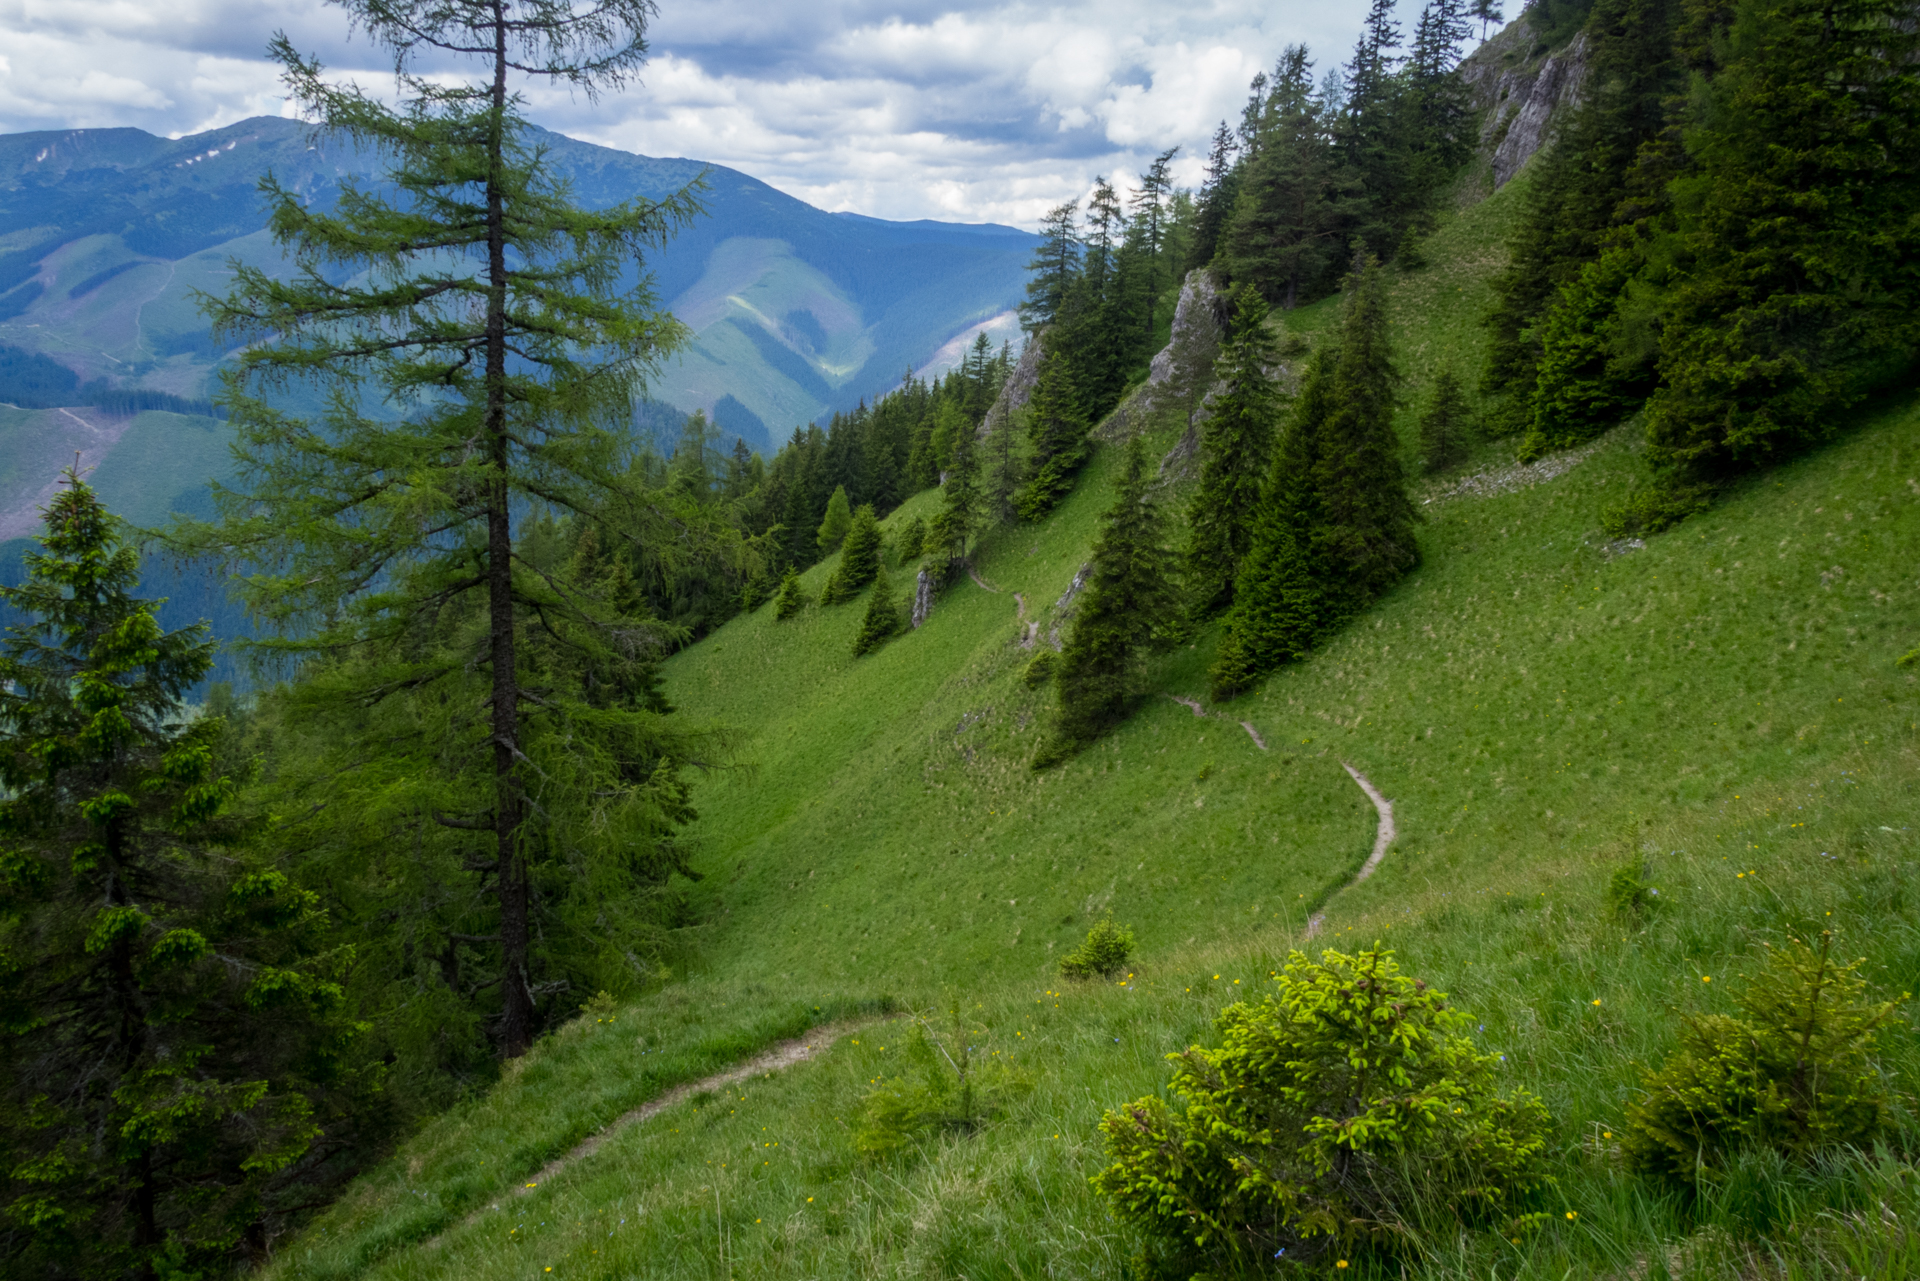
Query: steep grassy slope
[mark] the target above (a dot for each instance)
(1538, 704)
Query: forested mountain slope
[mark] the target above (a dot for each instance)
(1718, 707)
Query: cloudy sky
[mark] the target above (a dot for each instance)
(893, 108)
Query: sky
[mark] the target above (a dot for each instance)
(942, 109)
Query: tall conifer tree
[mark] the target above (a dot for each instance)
(1058, 431)
(169, 1024)
(1130, 608)
(483, 307)
(1236, 444)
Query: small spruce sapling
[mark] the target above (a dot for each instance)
(1041, 669)
(1334, 1111)
(882, 620)
(1796, 1075)
(790, 601)
(1103, 954)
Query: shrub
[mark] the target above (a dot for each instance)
(1795, 1076)
(1629, 897)
(953, 1084)
(859, 559)
(1338, 1111)
(1040, 670)
(882, 620)
(1104, 952)
(1648, 511)
(790, 599)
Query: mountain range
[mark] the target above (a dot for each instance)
(106, 234)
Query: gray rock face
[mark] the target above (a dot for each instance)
(1181, 376)
(1063, 608)
(1519, 88)
(922, 597)
(1018, 390)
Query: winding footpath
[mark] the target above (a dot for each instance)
(1382, 838)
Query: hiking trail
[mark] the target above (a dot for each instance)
(1383, 837)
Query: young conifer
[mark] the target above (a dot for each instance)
(835, 524)
(1130, 608)
(1277, 606)
(883, 617)
(1236, 443)
(954, 526)
(1364, 536)
(171, 1026)
(1446, 428)
(859, 559)
(790, 601)
(1058, 430)
(1006, 471)
(911, 541)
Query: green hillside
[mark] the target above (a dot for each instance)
(1538, 703)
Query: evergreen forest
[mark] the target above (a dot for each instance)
(1379, 739)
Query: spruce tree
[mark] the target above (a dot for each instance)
(790, 601)
(1058, 431)
(1446, 428)
(1285, 226)
(960, 502)
(835, 524)
(1006, 471)
(171, 1026)
(883, 617)
(1055, 265)
(911, 541)
(1129, 609)
(504, 328)
(1801, 231)
(1278, 603)
(1363, 538)
(1217, 194)
(1236, 443)
(859, 559)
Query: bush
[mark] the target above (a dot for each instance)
(1105, 951)
(954, 1084)
(1648, 511)
(1040, 670)
(790, 600)
(882, 620)
(1340, 1111)
(1795, 1076)
(1629, 898)
(859, 559)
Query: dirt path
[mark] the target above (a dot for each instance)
(980, 582)
(776, 1058)
(1193, 705)
(1383, 837)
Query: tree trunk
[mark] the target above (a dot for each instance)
(516, 1014)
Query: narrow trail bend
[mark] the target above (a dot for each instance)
(1382, 838)
(775, 1058)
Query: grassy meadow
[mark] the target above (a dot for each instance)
(1541, 706)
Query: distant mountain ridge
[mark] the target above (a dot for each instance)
(797, 312)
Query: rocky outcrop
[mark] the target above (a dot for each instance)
(1181, 376)
(1519, 86)
(922, 597)
(1018, 389)
(1063, 608)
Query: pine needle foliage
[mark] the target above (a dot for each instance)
(1447, 428)
(859, 559)
(172, 1030)
(1057, 427)
(911, 541)
(1236, 447)
(882, 621)
(1796, 1075)
(835, 524)
(1129, 610)
(791, 600)
(480, 353)
(959, 517)
(1102, 954)
(1332, 1113)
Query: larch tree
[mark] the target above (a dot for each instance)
(476, 340)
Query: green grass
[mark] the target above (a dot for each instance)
(1723, 702)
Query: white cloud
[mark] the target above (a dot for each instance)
(942, 109)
